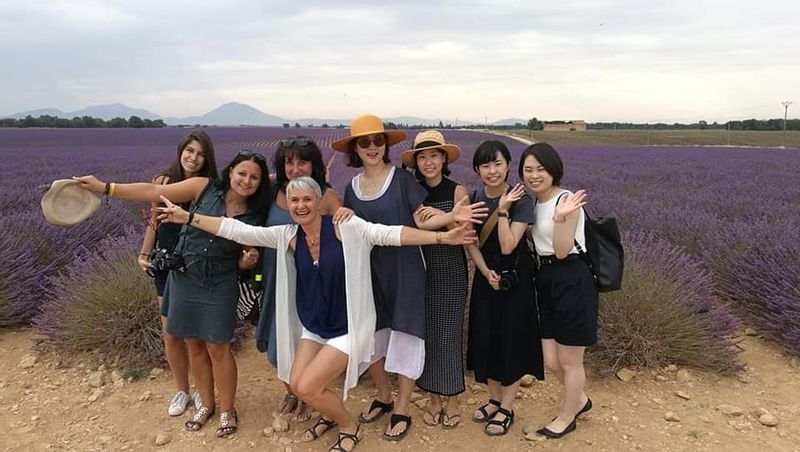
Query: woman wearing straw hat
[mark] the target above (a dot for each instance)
(382, 193)
(326, 314)
(202, 291)
(446, 267)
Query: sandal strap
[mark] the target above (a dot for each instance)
(328, 423)
(485, 412)
(345, 436)
(383, 406)
(398, 418)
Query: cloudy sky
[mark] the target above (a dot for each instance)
(599, 60)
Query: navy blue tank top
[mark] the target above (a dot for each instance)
(321, 298)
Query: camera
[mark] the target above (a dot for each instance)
(508, 279)
(162, 260)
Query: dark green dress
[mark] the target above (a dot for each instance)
(200, 302)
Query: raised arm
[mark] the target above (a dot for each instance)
(183, 191)
(565, 222)
(509, 233)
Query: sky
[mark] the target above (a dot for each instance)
(601, 60)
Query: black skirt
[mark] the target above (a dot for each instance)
(568, 302)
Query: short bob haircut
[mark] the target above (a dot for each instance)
(260, 201)
(175, 172)
(445, 170)
(487, 152)
(547, 156)
(308, 152)
(354, 161)
(304, 183)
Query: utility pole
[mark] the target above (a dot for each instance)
(785, 104)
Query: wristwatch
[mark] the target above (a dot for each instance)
(502, 214)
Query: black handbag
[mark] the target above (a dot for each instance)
(604, 253)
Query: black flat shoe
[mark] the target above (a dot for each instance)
(546, 432)
(586, 407)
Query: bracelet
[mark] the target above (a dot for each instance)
(438, 238)
(112, 189)
(502, 214)
(144, 254)
(106, 191)
(191, 217)
(562, 220)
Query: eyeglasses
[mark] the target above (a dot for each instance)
(246, 153)
(300, 142)
(146, 215)
(364, 142)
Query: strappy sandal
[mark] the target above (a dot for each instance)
(224, 419)
(433, 419)
(505, 424)
(201, 416)
(337, 446)
(485, 413)
(450, 422)
(327, 423)
(375, 405)
(288, 405)
(396, 419)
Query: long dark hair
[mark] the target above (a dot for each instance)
(260, 201)
(308, 152)
(175, 172)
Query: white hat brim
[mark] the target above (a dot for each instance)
(66, 203)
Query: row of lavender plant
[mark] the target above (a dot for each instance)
(690, 199)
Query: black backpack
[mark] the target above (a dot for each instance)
(604, 253)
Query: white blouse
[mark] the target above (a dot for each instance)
(542, 229)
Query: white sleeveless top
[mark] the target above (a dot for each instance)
(542, 229)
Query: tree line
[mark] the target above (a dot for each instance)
(88, 122)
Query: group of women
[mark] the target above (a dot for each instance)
(348, 288)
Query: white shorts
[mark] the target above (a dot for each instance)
(341, 343)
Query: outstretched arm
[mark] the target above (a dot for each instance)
(183, 191)
(228, 228)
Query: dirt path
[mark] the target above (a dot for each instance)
(46, 407)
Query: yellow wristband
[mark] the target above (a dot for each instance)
(112, 187)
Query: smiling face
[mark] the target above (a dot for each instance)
(493, 174)
(535, 176)
(193, 157)
(430, 163)
(372, 154)
(245, 178)
(303, 206)
(294, 166)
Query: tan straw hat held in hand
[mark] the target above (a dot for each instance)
(66, 203)
(429, 139)
(368, 125)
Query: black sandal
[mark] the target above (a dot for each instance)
(327, 423)
(337, 446)
(201, 416)
(485, 413)
(396, 419)
(505, 424)
(376, 404)
(224, 419)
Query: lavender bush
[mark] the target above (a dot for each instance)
(103, 302)
(665, 313)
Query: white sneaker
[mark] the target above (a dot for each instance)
(178, 404)
(198, 402)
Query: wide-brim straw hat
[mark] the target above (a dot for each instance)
(368, 125)
(66, 203)
(429, 139)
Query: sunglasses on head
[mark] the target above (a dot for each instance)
(364, 142)
(246, 153)
(300, 142)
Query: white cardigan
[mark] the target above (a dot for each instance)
(358, 238)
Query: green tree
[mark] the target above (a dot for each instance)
(135, 122)
(535, 124)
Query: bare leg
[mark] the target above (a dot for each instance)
(401, 407)
(177, 357)
(381, 381)
(225, 374)
(550, 352)
(495, 393)
(507, 398)
(201, 370)
(434, 414)
(571, 359)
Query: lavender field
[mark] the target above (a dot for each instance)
(711, 233)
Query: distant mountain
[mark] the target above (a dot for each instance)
(106, 112)
(231, 114)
